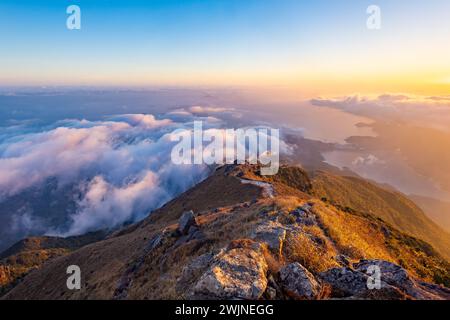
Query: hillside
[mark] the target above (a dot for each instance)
(31, 253)
(240, 235)
(438, 211)
(391, 206)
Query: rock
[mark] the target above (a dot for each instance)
(303, 215)
(348, 283)
(345, 282)
(273, 290)
(186, 221)
(156, 241)
(398, 277)
(395, 283)
(273, 234)
(193, 271)
(271, 293)
(342, 259)
(194, 233)
(298, 282)
(238, 273)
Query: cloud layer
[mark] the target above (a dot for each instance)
(419, 110)
(121, 166)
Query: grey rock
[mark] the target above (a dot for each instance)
(186, 221)
(239, 273)
(398, 277)
(298, 282)
(272, 233)
(345, 281)
(395, 283)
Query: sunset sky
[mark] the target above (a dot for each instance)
(320, 47)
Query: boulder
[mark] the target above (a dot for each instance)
(348, 283)
(298, 282)
(273, 234)
(238, 273)
(186, 221)
(398, 277)
(345, 282)
(395, 283)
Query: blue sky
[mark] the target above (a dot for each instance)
(218, 41)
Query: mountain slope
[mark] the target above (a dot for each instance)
(31, 253)
(391, 206)
(247, 237)
(437, 210)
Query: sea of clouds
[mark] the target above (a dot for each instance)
(121, 165)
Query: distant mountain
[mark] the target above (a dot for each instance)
(437, 210)
(36, 210)
(239, 235)
(31, 253)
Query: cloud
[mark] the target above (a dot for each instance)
(370, 160)
(120, 167)
(419, 110)
(123, 161)
(201, 109)
(105, 204)
(204, 111)
(147, 121)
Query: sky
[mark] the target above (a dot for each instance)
(319, 47)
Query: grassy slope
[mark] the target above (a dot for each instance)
(31, 253)
(391, 206)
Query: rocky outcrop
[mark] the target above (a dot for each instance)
(299, 283)
(237, 273)
(349, 283)
(394, 283)
(398, 277)
(273, 234)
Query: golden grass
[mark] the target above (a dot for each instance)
(301, 248)
(354, 236)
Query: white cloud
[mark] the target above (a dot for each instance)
(122, 166)
(369, 160)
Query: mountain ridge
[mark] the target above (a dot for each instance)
(224, 223)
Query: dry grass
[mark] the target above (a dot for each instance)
(303, 249)
(354, 236)
(274, 263)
